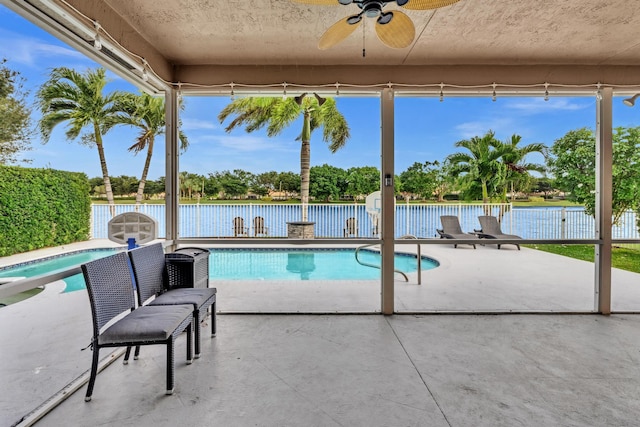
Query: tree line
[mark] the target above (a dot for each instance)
(484, 168)
(421, 181)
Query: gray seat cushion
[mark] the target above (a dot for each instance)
(146, 323)
(194, 296)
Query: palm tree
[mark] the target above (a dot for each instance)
(481, 164)
(514, 158)
(276, 114)
(76, 98)
(147, 113)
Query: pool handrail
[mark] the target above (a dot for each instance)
(418, 257)
(366, 264)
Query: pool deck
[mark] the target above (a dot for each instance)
(364, 370)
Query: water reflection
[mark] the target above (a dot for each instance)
(301, 263)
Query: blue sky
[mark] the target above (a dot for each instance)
(425, 129)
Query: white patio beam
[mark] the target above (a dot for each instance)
(388, 200)
(604, 190)
(172, 187)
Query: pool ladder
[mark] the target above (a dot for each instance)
(402, 273)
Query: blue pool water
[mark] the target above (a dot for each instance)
(246, 264)
(57, 263)
(305, 264)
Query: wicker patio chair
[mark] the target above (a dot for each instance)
(451, 230)
(490, 229)
(110, 289)
(149, 270)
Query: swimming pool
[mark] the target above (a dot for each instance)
(245, 264)
(57, 263)
(304, 264)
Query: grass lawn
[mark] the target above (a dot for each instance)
(622, 258)
(546, 203)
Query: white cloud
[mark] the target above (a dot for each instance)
(197, 124)
(245, 144)
(36, 53)
(539, 105)
(481, 127)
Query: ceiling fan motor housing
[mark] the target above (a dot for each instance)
(372, 8)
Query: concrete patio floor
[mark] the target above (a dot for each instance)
(372, 370)
(468, 280)
(369, 370)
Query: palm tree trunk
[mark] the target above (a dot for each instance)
(145, 171)
(305, 162)
(485, 192)
(105, 172)
(485, 198)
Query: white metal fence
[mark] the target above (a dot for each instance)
(420, 220)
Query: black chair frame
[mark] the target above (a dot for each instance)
(149, 269)
(111, 294)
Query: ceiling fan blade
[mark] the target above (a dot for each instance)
(398, 33)
(427, 4)
(319, 2)
(336, 33)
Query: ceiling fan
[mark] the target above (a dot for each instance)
(394, 28)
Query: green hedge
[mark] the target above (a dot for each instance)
(40, 208)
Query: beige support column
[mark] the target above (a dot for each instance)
(172, 188)
(604, 189)
(388, 198)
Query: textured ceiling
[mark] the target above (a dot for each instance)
(469, 32)
(472, 41)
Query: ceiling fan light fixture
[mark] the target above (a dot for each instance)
(630, 102)
(352, 20)
(385, 18)
(395, 29)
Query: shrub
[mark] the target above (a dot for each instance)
(41, 208)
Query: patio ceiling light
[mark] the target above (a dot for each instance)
(145, 74)
(546, 91)
(97, 42)
(630, 102)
